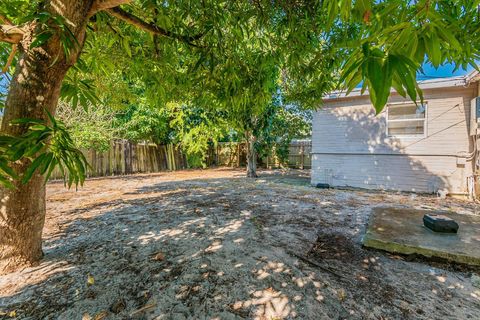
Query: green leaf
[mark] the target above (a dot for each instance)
(46, 163)
(18, 151)
(376, 79)
(397, 85)
(448, 36)
(31, 169)
(41, 39)
(26, 121)
(5, 168)
(126, 46)
(33, 150)
(6, 182)
(433, 50)
(51, 167)
(38, 127)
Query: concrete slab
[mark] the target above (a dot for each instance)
(402, 231)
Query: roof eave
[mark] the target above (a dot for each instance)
(424, 85)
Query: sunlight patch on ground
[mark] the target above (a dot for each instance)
(269, 304)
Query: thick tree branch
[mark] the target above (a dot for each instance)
(11, 34)
(5, 20)
(10, 58)
(100, 5)
(150, 27)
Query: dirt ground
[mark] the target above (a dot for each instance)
(214, 245)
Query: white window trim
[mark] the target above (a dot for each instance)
(407, 136)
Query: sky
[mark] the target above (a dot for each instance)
(442, 72)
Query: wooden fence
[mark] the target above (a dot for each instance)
(233, 154)
(125, 157)
(299, 154)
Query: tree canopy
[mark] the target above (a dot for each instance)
(208, 52)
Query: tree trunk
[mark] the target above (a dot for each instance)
(251, 156)
(35, 87)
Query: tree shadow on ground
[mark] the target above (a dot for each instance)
(217, 248)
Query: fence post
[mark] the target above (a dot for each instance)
(128, 157)
(302, 156)
(107, 168)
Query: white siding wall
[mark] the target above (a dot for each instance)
(350, 146)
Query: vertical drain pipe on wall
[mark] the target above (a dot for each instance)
(476, 158)
(472, 181)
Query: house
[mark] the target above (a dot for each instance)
(429, 147)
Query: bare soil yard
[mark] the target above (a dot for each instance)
(215, 245)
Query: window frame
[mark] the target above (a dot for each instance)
(408, 136)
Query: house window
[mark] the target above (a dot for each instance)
(406, 119)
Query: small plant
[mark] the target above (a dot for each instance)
(257, 223)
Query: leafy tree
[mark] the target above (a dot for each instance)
(250, 108)
(268, 130)
(287, 123)
(188, 50)
(92, 128)
(144, 123)
(196, 129)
